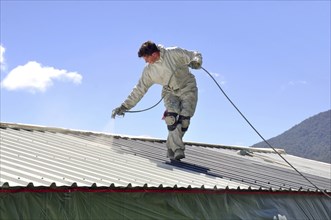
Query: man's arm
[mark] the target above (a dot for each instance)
(192, 58)
(139, 90)
(136, 95)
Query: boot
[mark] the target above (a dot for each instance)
(179, 154)
(170, 154)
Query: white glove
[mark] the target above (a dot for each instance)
(119, 111)
(195, 64)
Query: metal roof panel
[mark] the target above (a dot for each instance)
(45, 156)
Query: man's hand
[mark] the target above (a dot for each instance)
(194, 64)
(119, 111)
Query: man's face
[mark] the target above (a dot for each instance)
(152, 58)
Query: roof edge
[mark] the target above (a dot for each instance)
(30, 188)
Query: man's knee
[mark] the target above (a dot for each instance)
(185, 121)
(171, 119)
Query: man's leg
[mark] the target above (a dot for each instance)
(181, 108)
(174, 141)
(187, 105)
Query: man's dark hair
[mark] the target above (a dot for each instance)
(147, 49)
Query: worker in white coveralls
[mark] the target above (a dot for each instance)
(169, 68)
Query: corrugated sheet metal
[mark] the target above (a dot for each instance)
(44, 155)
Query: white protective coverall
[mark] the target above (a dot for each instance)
(179, 91)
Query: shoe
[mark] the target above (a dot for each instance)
(170, 154)
(179, 154)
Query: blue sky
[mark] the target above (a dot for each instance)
(69, 63)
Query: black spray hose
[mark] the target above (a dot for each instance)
(137, 111)
(262, 136)
(249, 125)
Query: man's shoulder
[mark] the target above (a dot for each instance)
(162, 47)
(170, 51)
(173, 48)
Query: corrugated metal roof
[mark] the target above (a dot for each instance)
(45, 155)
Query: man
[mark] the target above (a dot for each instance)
(169, 68)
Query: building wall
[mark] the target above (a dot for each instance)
(106, 203)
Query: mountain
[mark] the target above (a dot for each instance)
(310, 139)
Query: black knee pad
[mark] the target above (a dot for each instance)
(185, 121)
(171, 120)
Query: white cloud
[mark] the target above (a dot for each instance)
(298, 82)
(293, 84)
(2, 57)
(217, 75)
(34, 77)
(2, 54)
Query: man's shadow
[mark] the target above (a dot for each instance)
(192, 167)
